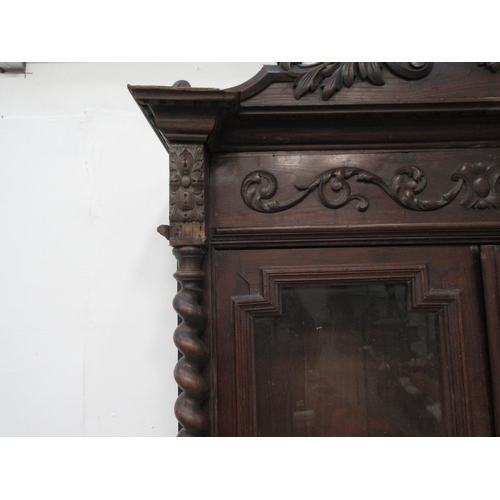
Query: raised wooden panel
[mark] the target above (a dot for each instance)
(447, 303)
(249, 284)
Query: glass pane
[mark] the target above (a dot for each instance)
(348, 361)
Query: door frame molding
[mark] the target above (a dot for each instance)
(268, 303)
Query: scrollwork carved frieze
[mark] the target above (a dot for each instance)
(479, 181)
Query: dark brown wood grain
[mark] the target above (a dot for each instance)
(361, 235)
(404, 127)
(490, 260)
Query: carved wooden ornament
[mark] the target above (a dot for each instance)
(186, 184)
(481, 183)
(332, 76)
(187, 200)
(480, 180)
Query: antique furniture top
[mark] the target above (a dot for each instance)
(318, 106)
(297, 119)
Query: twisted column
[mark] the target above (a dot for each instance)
(186, 234)
(187, 303)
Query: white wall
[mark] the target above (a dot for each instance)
(85, 281)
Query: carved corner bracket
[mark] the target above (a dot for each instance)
(182, 114)
(187, 199)
(480, 182)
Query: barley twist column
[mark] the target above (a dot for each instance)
(187, 235)
(187, 303)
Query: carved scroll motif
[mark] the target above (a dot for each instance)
(332, 76)
(187, 303)
(334, 191)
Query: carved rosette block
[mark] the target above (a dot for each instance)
(187, 203)
(482, 185)
(188, 305)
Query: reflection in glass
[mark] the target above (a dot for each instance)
(348, 361)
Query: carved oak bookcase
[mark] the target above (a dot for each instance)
(336, 227)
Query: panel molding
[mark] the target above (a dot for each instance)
(362, 234)
(447, 303)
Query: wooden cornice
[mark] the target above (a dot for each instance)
(275, 109)
(180, 114)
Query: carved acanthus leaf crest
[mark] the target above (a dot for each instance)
(332, 76)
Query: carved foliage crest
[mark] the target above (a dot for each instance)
(186, 184)
(332, 76)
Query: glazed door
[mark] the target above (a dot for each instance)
(351, 342)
